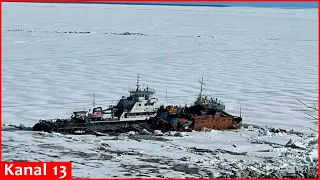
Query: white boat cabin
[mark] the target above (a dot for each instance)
(140, 105)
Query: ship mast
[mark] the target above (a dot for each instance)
(200, 101)
(93, 100)
(138, 83)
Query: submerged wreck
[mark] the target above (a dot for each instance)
(138, 111)
(204, 113)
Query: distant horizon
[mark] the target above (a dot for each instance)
(268, 4)
(297, 5)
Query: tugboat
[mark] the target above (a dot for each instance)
(204, 113)
(137, 108)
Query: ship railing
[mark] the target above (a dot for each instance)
(133, 90)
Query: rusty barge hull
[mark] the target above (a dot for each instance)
(185, 119)
(218, 122)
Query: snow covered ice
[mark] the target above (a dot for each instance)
(56, 55)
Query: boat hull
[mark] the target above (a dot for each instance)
(196, 118)
(69, 127)
(217, 123)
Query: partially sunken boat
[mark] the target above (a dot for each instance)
(137, 112)
(137, 108)
(204, 113)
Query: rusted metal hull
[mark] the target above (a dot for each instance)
(218, 123)
(197, 118)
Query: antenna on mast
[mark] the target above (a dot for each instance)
(93, 100)
(138, 83)
(201, 89)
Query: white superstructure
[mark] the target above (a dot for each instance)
(140, 105)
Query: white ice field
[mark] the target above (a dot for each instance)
(262, 58)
